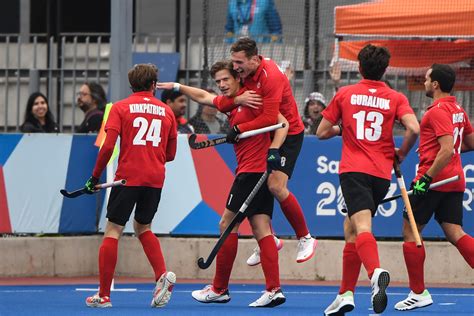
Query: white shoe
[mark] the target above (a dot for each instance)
(415, 301)
(163, 289)
(207, 295)
(306, 247)
(343, 303)
(269, 299)
(254, 259)
(379, 282)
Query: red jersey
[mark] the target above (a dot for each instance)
(367, 111)
(443, 117)
(146, 126)
(274, 87)
(251, 152)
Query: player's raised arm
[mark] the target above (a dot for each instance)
(199, 95)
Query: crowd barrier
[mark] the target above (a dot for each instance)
(33, 168)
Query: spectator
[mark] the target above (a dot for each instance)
(91, 100)
(38, 117)
(177, 102)
(205, 121)
(257, 19)
(315, 104)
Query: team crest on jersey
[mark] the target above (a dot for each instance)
(258, 85)
(146, 99)
(372, 91)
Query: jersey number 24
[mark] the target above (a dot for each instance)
(152, 132)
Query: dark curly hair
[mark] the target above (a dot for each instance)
(373, 61)
(445, 75)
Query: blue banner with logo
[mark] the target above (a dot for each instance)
(315, 183)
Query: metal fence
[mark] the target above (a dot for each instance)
(59, 67)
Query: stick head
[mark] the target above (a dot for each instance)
(63, 192)
(202, 264)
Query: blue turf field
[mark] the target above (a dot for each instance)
(53, 300)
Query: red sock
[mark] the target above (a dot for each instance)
(350, 268)
(224, 262)
(294, 214)
(107, 261)
(368, 253)
(269, 260)
(465, 246)
(415, 261)
(152, 248)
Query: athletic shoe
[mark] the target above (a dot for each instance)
(343, 303)
(306, 249)
(270, 299)
(415, 301)
(254, 259)
(97, 301)
(379, 282)
(163, 289)
(207, 295)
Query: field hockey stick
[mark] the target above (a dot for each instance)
(406, 201)
(76, 193)
(221, 140)
(239, 216)
(432, 186)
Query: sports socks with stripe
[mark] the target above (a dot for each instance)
(269, 260)
(107, 262)
(294, 214)
(224, 262)
(415, 261)
(465, 246)
(368, 253)
(350, 268)
(151, 246)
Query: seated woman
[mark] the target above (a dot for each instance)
(38, 117)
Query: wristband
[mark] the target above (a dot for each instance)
(176, 87)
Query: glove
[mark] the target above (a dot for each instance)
(422, 184)
(232, 135)
(89, 187)
(273, 160)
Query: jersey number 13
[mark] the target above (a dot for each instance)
(373, 132)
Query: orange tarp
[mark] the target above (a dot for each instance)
(407, 18)
(414, 53)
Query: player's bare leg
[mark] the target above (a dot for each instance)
(462, 241)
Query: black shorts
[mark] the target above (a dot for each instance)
(289, 153)
(446, 206)
(243, 184)
(122, 200)
(362, 191)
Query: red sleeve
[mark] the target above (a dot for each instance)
(333, 112)
(467, 125)
(105, 152)
(224, 104)
(171, 149)
(403, 107)
(272, 92)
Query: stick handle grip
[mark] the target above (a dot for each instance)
(261, 130)
(111, 184)
(432, 186)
